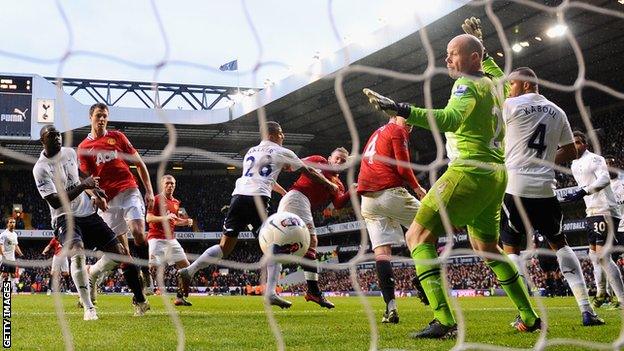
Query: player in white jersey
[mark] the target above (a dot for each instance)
(592, 175)
(537, 129)
(617, 185)
(9, 246)
(261, 167)
(59, 166)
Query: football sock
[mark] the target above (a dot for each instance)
(101, 267)
(273, 272)
(519, 263)
(573, 273)
(131, 274)
(508, 277)
(203, 261)
(431, 281)
(81, 280)
(310, 272)
(386, 277)
(599, 276)
(614, 277)
(142, 252)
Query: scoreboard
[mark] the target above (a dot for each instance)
(15, 107)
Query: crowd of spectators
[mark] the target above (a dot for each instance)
(224, 280)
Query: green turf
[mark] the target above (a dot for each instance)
(239, 323)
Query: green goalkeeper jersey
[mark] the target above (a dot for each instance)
(472, 120)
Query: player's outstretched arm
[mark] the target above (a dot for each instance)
(145, 179)
(473, 27)
(184, 222)
(45, 250)
(152, 218)
(448, 119)
(18, 251)
(319, 178)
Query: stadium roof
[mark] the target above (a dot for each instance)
(314, 123)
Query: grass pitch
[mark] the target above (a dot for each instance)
(239, 323)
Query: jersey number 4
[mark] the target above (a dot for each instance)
(537, 140)
(370, 151)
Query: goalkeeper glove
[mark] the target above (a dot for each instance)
(387, 105)
(472, 26)
(575, 196)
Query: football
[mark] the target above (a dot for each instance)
(286, 233)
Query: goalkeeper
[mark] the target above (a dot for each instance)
(472, 188)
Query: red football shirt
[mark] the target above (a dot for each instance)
(56, 246)
(156, 230)
(101, 157)
(389, 141)
(318, 195)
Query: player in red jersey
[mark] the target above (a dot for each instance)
(60, 265)
(164, 248)
(304, 196)
(106, 154)
(386, 203)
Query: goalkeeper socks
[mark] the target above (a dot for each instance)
(273, 272)
(514, 287)
(573, 273)
(386, 277)
(614, 277)
(310, 272)
(203, 261)
(599, 276)
(79, 275)
(131, 274)
(431, 281)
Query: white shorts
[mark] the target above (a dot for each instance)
(385, 211)
(59, 264)
(126, 206)
(296, 202)
(165, 252)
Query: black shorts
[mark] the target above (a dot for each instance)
(8, 267)
(243, 213)
(545, 216)
(92, 231)
(598, 228)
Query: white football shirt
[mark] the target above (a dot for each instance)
(535, 128)
(261, 167)
(617, 185)
(8, 239)
(64, 166)
(591, 173)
